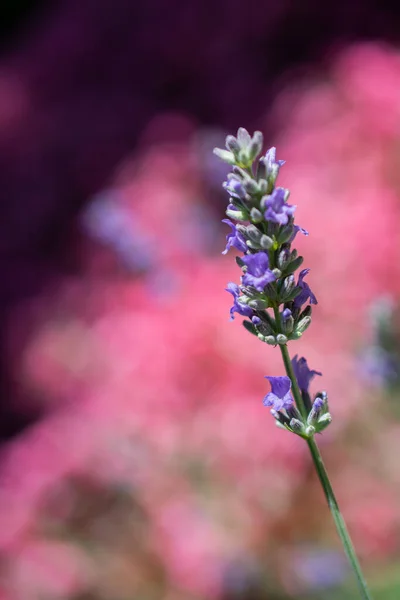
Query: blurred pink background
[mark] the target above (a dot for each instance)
(154, 471)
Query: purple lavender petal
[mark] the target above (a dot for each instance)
(306, 293)
(238, 307)
(304, 375)
(277, 210)
(280, 396)
(234, 239)
(258, 274)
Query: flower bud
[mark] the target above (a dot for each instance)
(266, 242)
(281, 339)
(261, 174)
(251, 186)
(256, 216)
(238, 173)
(273, 174)
(235, 188)
(270, 339)
(253, 233)
(257, 304)
(243, 137)
(287, 321)
(283, 258)
(310, 430)
(303, 324)
(323, 422)
(232, 144)
(297, 426)
(255, 145)
(293, 412)
(280, 417)
(307, 311)
(252, 245)
(241, 229)
(263, 186)
(288, 287)
(264, 328)
(225, 155)
(316, 411)
(236, 214)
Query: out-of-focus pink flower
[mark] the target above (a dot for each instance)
(152, 388)
(42, 568)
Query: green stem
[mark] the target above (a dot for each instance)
(325, 482)
(337, 517)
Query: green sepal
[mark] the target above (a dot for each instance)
(270, 291)
(284, 234)
(323, 422)
(257, 303)
(293, 294)
(250, 327)
(294, 265)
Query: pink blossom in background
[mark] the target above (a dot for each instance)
(150, 389)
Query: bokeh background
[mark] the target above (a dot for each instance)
(137, 460)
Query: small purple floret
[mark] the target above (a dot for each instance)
(234, 238)
(258, 273)
(297, 229)
(280, 396)
(238, 307)
(235, 188)
(304, 375)
(306, 293)
(270, 161)
(277, 210)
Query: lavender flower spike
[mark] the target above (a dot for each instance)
(305, 293)
(238, 307)
(258, 273)
(304, 375)
(234, 238)
(280, 396)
